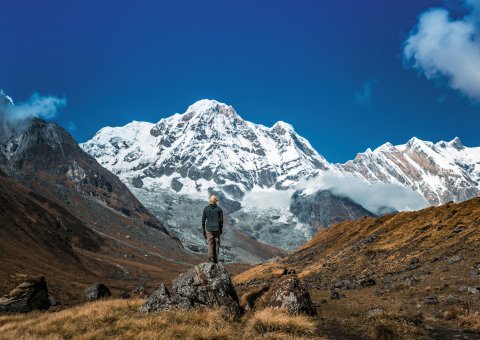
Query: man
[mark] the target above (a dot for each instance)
(212, 225)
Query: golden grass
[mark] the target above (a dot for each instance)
(268, 321)
(116, 319)
(120, 319)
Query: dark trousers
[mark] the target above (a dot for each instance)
(213, 241)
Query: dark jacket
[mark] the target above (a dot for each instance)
(212, 218)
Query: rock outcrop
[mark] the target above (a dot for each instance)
(97, 291)
(207, 285)
(30, 295)
(289, 293)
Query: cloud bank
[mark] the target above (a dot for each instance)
(442, 48)
(372, 197)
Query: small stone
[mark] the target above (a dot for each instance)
(124, 295)
(97, 291)
(335, 295)
(431, 300)
(367, 282)
(410, 281)
(459, 229)
(455, 259)
(452, 300)
(53, 301)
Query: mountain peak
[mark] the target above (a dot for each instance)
(283, 125)
(209, 106)
(4, 99)
(456, 143)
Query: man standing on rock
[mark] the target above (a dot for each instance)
(212, 225)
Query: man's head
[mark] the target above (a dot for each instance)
(213, 199)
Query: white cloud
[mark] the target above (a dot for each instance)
(372, 197)
(42, 106)
(443, 48)
(267, 198)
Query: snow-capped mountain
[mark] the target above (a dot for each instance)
(208, 146)
(173, 165)
(441, 172)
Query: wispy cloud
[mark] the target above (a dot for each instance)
(364, 96)
(443, 48)
(71, 126)
(42, 106)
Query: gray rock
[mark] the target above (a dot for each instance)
(335, 295)
(452, 300)
(291, 294)
(30, 295)
(467, 289)
(97, 291)
(367, 282)
(455, 259)
(344, 284)
(410, 281)
(431, 300)
(207, 285)
(159, 300)
(53, 301)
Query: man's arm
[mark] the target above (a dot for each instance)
(204, 219)
(220, 221)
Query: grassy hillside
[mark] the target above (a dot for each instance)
(423, 267)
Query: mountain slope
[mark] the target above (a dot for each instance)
(96, 219)
(40, 237)
(409, 265)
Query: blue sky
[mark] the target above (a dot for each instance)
(336, 70)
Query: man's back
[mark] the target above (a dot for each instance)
(212, 218)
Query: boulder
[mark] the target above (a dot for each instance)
(207, 285)
(290, 294)
(30, 295)
(158, 300)
(97, 291)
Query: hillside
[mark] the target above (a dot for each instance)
(40, 237)
(422, 264)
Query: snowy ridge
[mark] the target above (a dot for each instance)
(441, 172)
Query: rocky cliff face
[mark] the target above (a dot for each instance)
(323, 208)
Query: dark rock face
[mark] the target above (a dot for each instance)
(30, 295)
(207, 285)
(290, 294)
(324, 208)
(97, 291)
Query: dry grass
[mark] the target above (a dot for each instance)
(270, 321)
(120, 319)
(116, 319)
